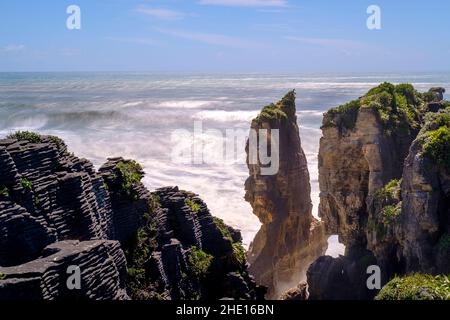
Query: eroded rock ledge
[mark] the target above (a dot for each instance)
(290, 237)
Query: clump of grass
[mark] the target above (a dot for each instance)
(390, 191)
(271, 112)
(131, 175)
(239, 253)
(436, 145)
(390, 213)
(194, 206)
(343, 116)
(279, 111)
(396, 106)
(199, 262)
(4, 192)
(26, 184)
(416, 287)
(223, 228)
(26, 136)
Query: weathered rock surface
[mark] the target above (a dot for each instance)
(290, 237)
(102, 265)
(380, 191)
(193, 255)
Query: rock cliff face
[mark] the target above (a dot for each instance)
(290, 237)
(56, 211)
(381, 191)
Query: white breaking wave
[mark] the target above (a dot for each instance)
(226, 116)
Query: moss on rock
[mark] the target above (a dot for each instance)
(279, 111)
(416, 287)
(397, 107)
(199, 262)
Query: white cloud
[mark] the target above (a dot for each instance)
(161, 13)
(210, 38)
(246, 3)
(12, 48)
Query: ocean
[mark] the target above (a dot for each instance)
(137, 115)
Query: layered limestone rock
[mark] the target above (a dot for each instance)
(102, 268)
(382, 193)
(290, 237)
(56, 211)
(183, 252)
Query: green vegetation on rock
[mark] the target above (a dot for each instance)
(194, 206)
(391, 191)
(396, 106)
(27, 185)
(344, 115)
(390, 213)
(26, 136)
(199, 262)
(4, 192)
(279, 111)
(239, 253)
(436, 145)
(131, 175)
(2, 276)
(416, 287)
(223, 228)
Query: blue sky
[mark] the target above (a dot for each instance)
(225, 36)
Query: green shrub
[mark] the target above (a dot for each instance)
(2, 276)
(436, 145)
(131, 175)
(194, 206)
(239, 253)
(342, 116)
(416, 287)
(391, 191)
(279, 111)
(199, 262)
(223, 228)
(390, 213)
(26, 136)
(4, 192)
(271, 112)
(27, 185)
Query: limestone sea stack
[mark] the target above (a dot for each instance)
(290, 237)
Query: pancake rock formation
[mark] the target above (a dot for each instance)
(58, 213)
